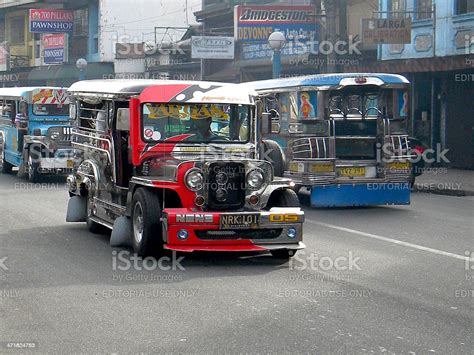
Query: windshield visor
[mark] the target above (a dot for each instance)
(196, 123)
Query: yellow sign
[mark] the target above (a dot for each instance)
(186, 112)
(352, 172)
(284, 218)
(321, 168)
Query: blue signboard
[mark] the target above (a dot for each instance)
(51, 21)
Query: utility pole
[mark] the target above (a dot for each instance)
(330, 7)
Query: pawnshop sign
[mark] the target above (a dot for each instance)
(51, 21)
(54, 48)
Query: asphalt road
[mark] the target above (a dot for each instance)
(372, 280)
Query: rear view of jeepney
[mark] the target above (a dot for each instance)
(176, 166)
(344, 137)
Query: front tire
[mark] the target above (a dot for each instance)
(33, 167)
(146, 223)
(284, 198)
(5, 166)
(274, 155)
(92, 226)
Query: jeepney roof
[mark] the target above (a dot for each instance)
(176, 90)
(328, 80)
(23, 92)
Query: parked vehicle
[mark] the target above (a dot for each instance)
(417, 149)
(176, 165)
(342, 136)
(35, 131)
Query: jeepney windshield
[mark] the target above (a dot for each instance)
(357, 103)
(196, 123)
(50, 110)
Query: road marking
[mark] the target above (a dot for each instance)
(390, 240)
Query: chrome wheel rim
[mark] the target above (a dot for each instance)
(138, 223)
(30, 166)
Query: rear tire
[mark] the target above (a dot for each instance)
(146, 223)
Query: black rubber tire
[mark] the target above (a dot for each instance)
(92, 226)
(284, 198)
(147, 233)
(33, 166)
(274, 155)
(283, 254)
(5, 167)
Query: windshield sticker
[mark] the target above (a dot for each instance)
(403, 103)
(185, 112)
(307, 103)
(50, 96)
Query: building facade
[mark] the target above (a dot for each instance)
(29, 57)
(439, 61)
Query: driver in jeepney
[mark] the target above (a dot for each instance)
(202, 129)
(21, 123)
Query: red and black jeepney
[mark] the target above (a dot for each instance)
(177, 165)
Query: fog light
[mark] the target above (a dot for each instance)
(253, 199)
(291, 233)
(199, 201)
(221, 195)
(183, 234)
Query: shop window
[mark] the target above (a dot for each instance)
(424, 9)
(464, 6)
(2, 30)
(396, 7)
(17, 30)
(81, 22)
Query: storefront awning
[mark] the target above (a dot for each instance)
(70, 72)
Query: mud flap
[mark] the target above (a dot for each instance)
(76, 209)
(121, 233)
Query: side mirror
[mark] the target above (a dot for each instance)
(266, 123)
(123, 119)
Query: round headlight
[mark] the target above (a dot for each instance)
(194, 180)
(255, 179)
(221, 178)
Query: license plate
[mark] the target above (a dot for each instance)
(239, 221)
(297, 167)
(352, 172)
(321, 168)
(70, 164)
(399, 166)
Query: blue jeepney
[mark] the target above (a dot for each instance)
(341, 136)
(39, 140)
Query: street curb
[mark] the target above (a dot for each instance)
(445, 192)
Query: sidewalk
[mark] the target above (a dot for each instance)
(446, 181)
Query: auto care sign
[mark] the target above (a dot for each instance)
(54, 48)
(212, 47)
(51, 21)
(254, 24)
